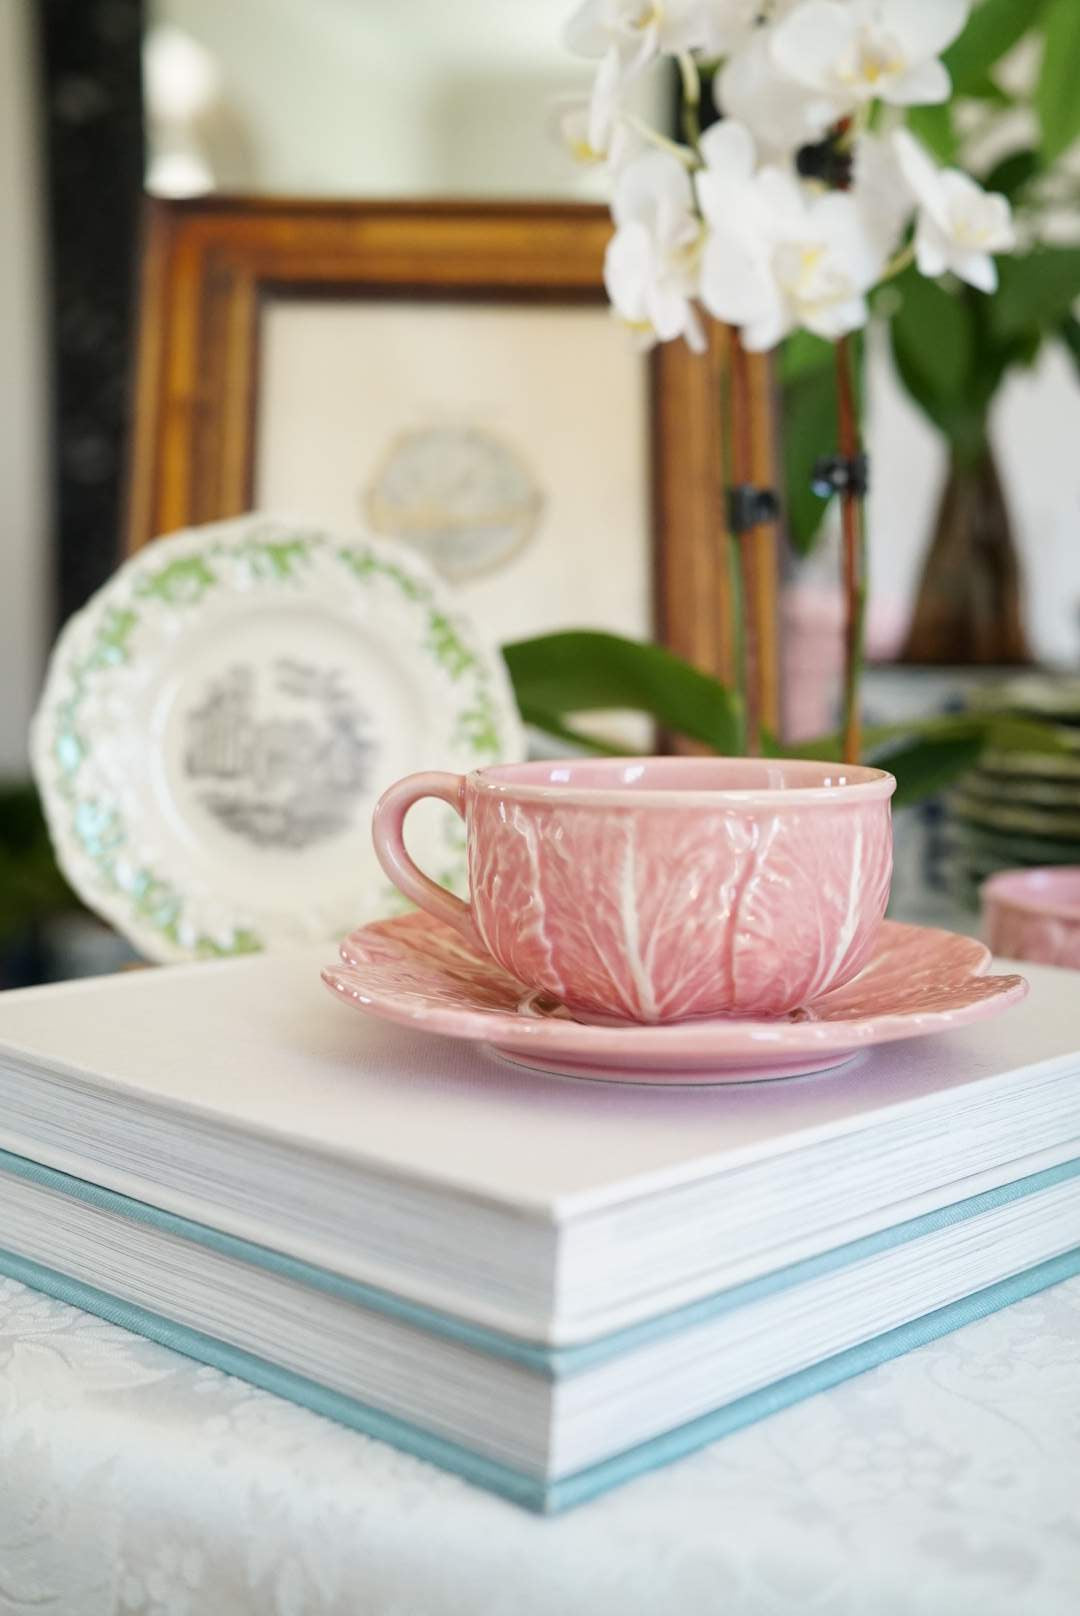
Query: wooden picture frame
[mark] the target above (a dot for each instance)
(210, 265)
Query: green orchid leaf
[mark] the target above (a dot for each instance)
(933, 125)
(808, 433)
(992, 29)
(558, 731)
(583, 671)
(934, 328)
(1006, 731)
(988, 89)
(996, 354)
(934, 342)
(936, 751)
(1069, 332)
(1056, 100)
(927, 765)
(1013, 173)
(927, 754)
(556, 676)
(1037, 290)
(801, 353)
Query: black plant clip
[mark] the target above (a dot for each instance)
(748, 507)
(840, 474)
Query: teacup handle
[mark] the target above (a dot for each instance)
(388, 834)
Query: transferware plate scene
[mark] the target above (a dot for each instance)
(417, 971)
(220, 719)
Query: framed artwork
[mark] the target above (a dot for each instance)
(449, 376)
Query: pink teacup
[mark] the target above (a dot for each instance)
(652, 889)
(1034, 914)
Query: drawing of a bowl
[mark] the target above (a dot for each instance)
(459, 494)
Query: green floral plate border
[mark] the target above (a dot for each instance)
(93, 841)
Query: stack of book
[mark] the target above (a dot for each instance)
(545, 1285)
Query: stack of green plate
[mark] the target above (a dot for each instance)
(1019, 807)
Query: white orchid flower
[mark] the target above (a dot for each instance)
(635, 30)
(652, 262)
(881, 193)
(736, 276)
(730, 23)
(958, 224)
(624, 36)
(777, 254)
(865, 50)
(780, 113)
(572, 124)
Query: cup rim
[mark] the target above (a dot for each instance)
(999, 889)
(857, 782)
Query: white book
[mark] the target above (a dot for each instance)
(240, 1095)
(544, 1283)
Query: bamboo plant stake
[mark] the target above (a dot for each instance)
(742, 543)
(751, 623)
(854, 551)
(754, 600)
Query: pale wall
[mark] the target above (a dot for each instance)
(23, 422)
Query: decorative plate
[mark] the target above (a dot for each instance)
(219, 720)
(991, 809)
(417, 971)
(1025, 791)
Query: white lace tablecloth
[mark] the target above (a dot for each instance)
(133, 1482)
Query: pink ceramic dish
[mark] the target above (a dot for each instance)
(657, 889)
(416, 971)
(1034, 914)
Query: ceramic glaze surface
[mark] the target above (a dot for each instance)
(418, 971)
(655, 890)
(655, 914)
(1034, 915)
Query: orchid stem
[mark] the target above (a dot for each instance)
(686, 155)
(691, 98)
(898, 262)
(854, 555)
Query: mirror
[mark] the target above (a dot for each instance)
(426, 99)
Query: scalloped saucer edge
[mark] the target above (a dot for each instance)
(415, 971)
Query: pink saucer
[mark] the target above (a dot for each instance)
(418, 971)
